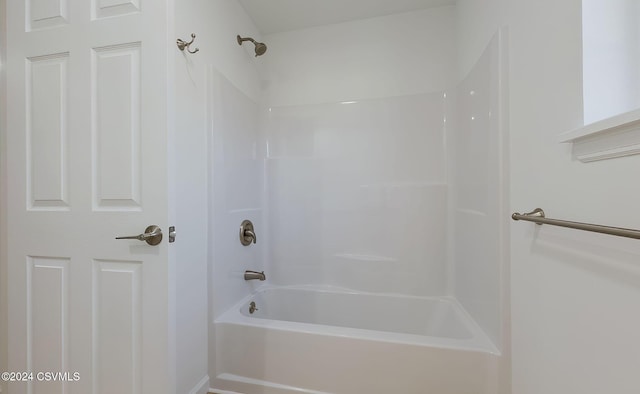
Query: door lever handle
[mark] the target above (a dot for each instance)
(152, 235)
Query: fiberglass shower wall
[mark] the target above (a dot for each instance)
(356, 173)
(478, 184)
(235, 153)
(236, 176)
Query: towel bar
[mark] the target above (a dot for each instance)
(537, 216)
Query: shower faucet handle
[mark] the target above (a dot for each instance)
(250, 234)
(247, 233)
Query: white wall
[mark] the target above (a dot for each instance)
(476, 22)
(190, 195)
(573, 294)
(356, 173)
(216, 24)
(220, 64)
(395, 55)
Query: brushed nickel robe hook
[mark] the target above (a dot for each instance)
(182, 44)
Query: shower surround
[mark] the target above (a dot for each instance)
(362, 184)
(359, 165)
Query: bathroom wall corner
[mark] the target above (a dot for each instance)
(3, 193)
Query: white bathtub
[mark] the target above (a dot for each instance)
(316, 340)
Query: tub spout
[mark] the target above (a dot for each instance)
(251, 275)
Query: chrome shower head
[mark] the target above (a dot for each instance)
(261, 47)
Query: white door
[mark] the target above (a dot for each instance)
(87, 161)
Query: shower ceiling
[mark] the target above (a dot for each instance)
(273, 16)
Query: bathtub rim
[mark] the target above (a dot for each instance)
(479, 342)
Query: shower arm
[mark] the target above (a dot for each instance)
(241, 40)
(260, 47)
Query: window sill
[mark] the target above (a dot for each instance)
(609, 138)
